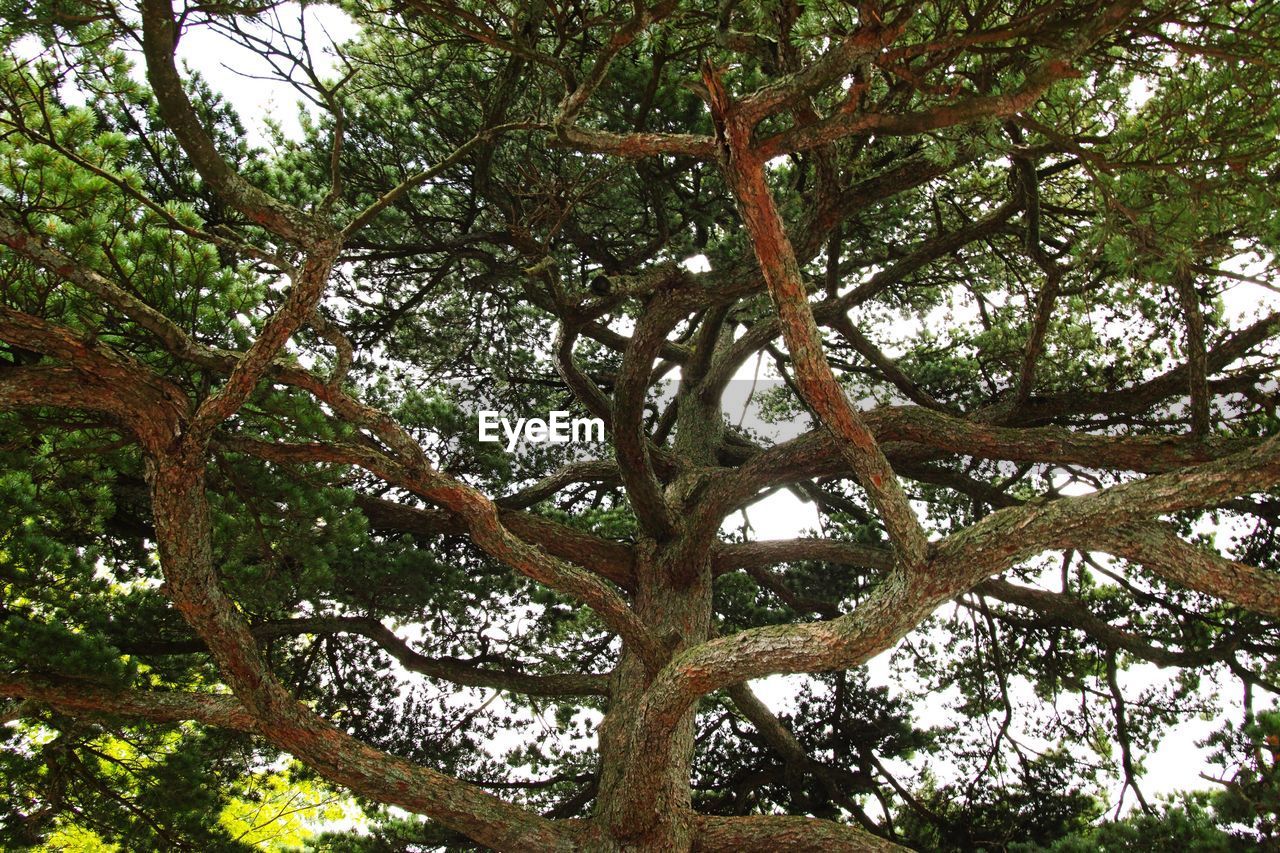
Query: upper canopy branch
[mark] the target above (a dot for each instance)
(865, 42)
(832, 311)
(976, 107)
(745, 172)
(160, 34)
(624, 35)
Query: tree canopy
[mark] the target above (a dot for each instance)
(1007, 265)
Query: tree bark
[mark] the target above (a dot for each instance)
(184, 538)
(645, 797)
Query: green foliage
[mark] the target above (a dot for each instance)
(1185, 825)
(1045, 801)
(1000, 728)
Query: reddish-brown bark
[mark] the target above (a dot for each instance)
(655, 594)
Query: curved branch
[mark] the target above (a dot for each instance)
(1141, 396)
(391, 196)
(583, 388)
(611, 560)
(149, 406)
(1066, 610)
(18, 238)
(79, 698)
(1161, 551)
(245, 370)
(888, 367)
(61, 388)
(590, 471)
(630, 442)
(159, 40)
(624, 35)
(1102, 521)
(184, 533)
(862, 44)
(304, 293)
(478, 513)
(446, 668)
(857, 446)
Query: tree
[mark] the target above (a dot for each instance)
(982, 246)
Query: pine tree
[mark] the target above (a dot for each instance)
(986, 259)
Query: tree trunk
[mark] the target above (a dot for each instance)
(644, 801)
(645, 798)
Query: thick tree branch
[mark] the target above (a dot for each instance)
(149, 406)
(744, 169)
(80, 698)
(630, 442)
(863, 43)
(1094, 520)
(964, 111)
(771, 833)
(633, 145)
(61, 388)
(1162, 552)
(183, 530)
(306, 289)
(159, 41)
(611, 560)
(480, 516)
